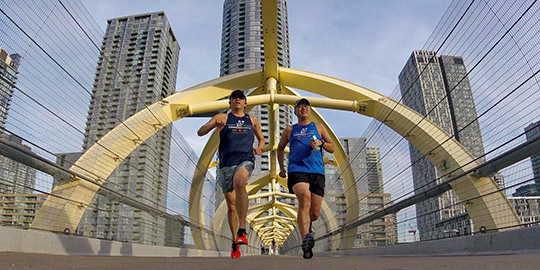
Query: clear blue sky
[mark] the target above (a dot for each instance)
(364, 42)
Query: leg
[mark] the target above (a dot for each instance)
(304, 202)
(232, 215)
(315, 209)
(240, 181)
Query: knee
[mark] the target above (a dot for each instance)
(231, 208)
(239, 186)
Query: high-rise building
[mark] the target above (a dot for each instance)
(15, 177)
(367, 170)
(9, 64)
(174, 232)
(242, 48)
(527, 209)
(425, 81)
(374, 170)
(136, 68)
(381, 231)
(20, 209)
(532, 131)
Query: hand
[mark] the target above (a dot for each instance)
(257, 151)
(282, 173)
(315, 143)
(220, 123)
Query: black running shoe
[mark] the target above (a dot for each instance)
(307, 246)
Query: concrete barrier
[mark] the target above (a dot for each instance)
(30, 241)
(519, 241)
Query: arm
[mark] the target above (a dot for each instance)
(328, 143)
(218, 121)
(258, 134)
(281, 151)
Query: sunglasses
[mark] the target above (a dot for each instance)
(238, 97)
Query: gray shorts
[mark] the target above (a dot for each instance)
(225, 175)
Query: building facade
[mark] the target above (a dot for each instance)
(136, 68)
(15, 177)
(20, 209)
(532, 131)
(528, 209)
(9, 64)
(425, 81)
(367, 170)
(174, 232)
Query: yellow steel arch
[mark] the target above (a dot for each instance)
(492, 211)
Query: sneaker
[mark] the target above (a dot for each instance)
(235, 252)
(242, 239)
(307, 246)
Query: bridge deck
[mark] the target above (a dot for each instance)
(15, 261)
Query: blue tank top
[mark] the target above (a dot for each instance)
(302, 157)
(236, 141)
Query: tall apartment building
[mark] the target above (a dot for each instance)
(9, 64)
(527, 209)
(242, 48)
(137, 67)
(20, 209)
(367, 171)
(532, 131)
(174, 232)
(374, 170)
(15, 177)
(381, 231)
(425, 80)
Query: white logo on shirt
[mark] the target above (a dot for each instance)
(240, 123)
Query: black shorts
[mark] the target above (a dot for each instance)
(315, 181)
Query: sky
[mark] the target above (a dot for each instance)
(363, 42)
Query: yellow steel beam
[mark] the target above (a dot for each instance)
(270, 36)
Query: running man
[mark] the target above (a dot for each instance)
(236, 161)
(306, 169)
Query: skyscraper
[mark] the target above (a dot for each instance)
(15, 177)
(374, 170)
(9, 64)
(137, 67)
(242, 48)
(532, 131)
(367, 170)
(425, 80)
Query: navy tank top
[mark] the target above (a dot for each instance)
(236, 141)
(302, 157)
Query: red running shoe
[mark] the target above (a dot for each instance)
(235, 252)
(242, 239)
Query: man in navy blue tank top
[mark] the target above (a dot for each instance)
(306, 169)
(236, 161)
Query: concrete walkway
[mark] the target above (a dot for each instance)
(19, 261)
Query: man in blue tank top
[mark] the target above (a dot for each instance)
(236, 161)
(306, 169)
